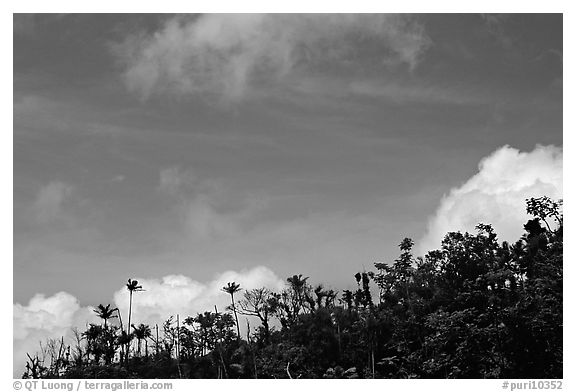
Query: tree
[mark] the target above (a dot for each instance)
(131, 286)
(207, 333)
(142, 332)
(95, 346)
(474, 308)
(105, 313)
(543, 208)
(320, 294)
(232, 288)
(347, 298)
(260, 303)
(299, 289)
(124, 342)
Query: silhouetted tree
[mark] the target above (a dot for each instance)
(105, 312)
(232, 288)
(142, 332)
(132, 286)
(474, 308)
(260, 303)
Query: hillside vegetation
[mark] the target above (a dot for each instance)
(475, 308)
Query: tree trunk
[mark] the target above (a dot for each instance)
(129, 325)
(235, 315)
(157, 341)
(373, 371)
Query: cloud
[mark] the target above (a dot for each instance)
(221, 226)
(204, 222)
(118, 178)
(210, 217)
(390, 89)
(496, 194)
(49, 201)
(173, 179)
(494, 20)
(207, 206)
(226, 54)
(55, 316)
(43, 318)
(497, 26)
(182, 182)
(411, 93)
(179, 294)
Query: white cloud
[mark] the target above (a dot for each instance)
(496, 194)
(225, 54)
(44, 318)
(55, 316)
(49, 200)
(179, 294)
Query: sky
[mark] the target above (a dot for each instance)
(192, 150)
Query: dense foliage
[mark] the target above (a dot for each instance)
(475, 308)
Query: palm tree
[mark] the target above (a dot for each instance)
(142, 332)
(298, 285)
(93, 336)
(207, 334)
(124, 341)
(132, 286)
(105, 313)
(347, 298)
(320, 293)
(232, 288)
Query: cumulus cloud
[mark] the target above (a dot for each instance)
(225, 54)
(45, 318)
(55, 316)
(179, 294)
(496, 194)
(49, 200)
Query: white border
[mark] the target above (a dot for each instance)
(293, 6)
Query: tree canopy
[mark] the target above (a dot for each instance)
(474, 308)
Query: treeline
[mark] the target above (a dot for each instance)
(475, 308)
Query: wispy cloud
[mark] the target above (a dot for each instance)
(174, 179)
(389, 90)
(47, 115)
(209, 207)
(226, 55)
(50, 200)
